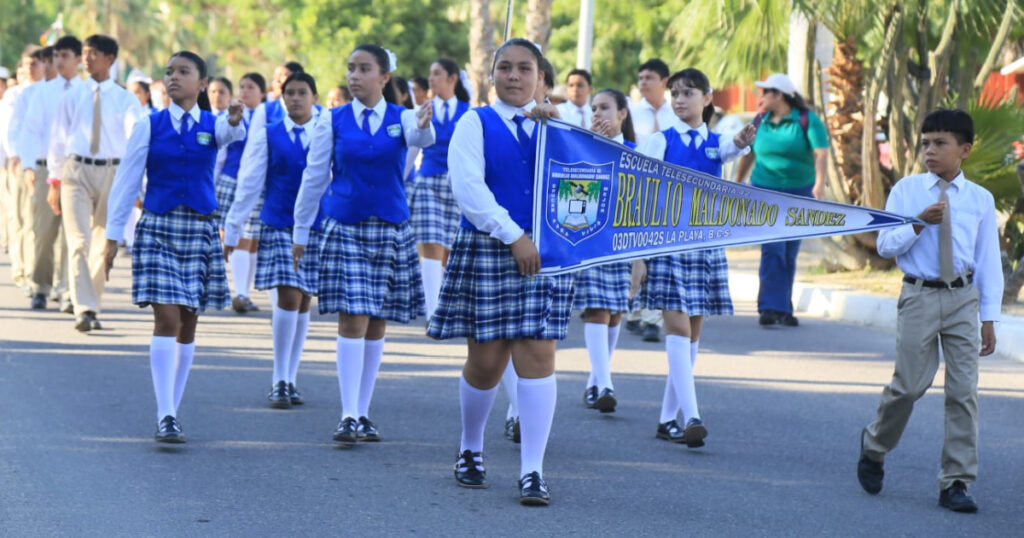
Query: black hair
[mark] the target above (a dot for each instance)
(69, 42)
(794, 101)
(583, 73)
(656, 65)
(452, 68)
(145, 86)
(300, 76)
(628, 132)
(44, 54)
(226, 82)
(549, 73)
(294, 67)
(401, 87)
(384, 62)
(518, 42)
(954, 121)
(105, 44)
(258, 80)
(203, 100)
(345, 92)
(696, 79)
(421, 82)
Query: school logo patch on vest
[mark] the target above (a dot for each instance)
(203, 139)
(711, 153)
(395, 131)
(577, 205)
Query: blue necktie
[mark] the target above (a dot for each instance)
(694, 133)
(444, 113)
(297, 131)
(184, 125)
(366, 121)
(525, 142)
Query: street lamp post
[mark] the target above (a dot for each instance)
(586, 35)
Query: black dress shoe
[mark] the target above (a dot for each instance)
(347, 433)
(469, 470)
(367, 431)
(169, 431)
(955, 498)
(512, 430)
(651, 333)
(768, 318)
(83, 322)
(94, 325)
(787, 320)
(634, 326)
(869, 472)
(279, 396)
(590, 396)
(294, 395)
(240, 304)
(251, 306)
(670, 431)
(694, 433)
(38, 302)
(533, 491)
(606, 402)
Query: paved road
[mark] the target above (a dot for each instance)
(783, 407)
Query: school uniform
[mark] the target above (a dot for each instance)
(938, 309)
(582, 116)
(648, 121)
(18, 200)
(435, 214)
(227, 179)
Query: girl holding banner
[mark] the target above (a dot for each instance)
(688, 285)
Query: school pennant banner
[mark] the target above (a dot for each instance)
(596, 202)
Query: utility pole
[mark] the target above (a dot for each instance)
(585, 41)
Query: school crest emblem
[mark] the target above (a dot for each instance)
(203, 139)
(395, 130)
(577, 205)
(711, 153)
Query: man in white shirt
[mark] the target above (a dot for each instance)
(653, 113)
(88, 140)
(578, 86)
(49, 250)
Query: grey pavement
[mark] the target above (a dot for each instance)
(784, 408)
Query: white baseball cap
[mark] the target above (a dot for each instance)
(4, 73)
(780, 82)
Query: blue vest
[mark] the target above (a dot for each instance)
(703, 159)
(233, 154)
(508, 170)
(274, 109)
(435, 156)
(285, 164)
(367, 169)
(180, 170)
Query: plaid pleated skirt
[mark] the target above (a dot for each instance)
(274, 261)
(484, 297)
(369, 268)
(603, 287)
(435, 213)
(224, 190)
(177, 260)
(695, 282)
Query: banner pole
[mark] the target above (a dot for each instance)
(508, 20)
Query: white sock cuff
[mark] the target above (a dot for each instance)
(675, 339)
(164, 342)
(430, 263)
(464, 385)
(188, 348)
(342, 340)
(534, 382)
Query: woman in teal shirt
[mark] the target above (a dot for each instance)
(790, 155)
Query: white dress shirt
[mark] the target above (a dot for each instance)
(8, 109)
(466, 167)
(975, 235)
(580, 116)
(643, 114)
(39, 118)
(252, 174)
(16, 127)
(439, 107)
(655, 145)
(72, 128)
(317, 176)
(127, 185)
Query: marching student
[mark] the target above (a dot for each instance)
(221, 92)
(367, 268)
(274, 160)
(602, 292)
(435, 214)
(160, 98)
(145, 96)
(491, 292)
(252, 90)
(338, 96)
(177, 264)
(576, 110)
(420, 88)
(688, 286)
(272, 110)
(90, 134)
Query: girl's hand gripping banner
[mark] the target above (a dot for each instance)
(597, 201)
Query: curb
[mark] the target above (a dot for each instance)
(867, 310)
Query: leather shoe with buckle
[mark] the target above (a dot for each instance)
(533, 491)
(670, 431)
(347, 431)
(469, 470)
(606, 402)
(279, 397)
(169, 431)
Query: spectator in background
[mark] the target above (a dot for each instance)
(576, 110)
(338, 96)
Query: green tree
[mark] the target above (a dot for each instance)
(21, 24)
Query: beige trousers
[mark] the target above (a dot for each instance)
(42, 237)
(17, 226)
(928, 318)
(83, 201)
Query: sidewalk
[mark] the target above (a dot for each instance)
(844, 303)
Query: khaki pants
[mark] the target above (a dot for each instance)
(83, 201)
(17, 226)
(928, 318)
(42, 236)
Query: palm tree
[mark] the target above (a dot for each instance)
(481, 48)
(538, 22)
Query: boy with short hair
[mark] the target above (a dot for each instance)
(953, 278)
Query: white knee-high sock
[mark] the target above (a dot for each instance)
(431, 271)
(680, 371)
(595, 335)
(272, 293)
(511, 380)
(239, 262)
(475, 406)
(694, 346)
(373, 352)
(185, 354)
(669, 403)
(301, 329)
(350, 370)
(251, 277)
(283, 330)
(163, 356)
(536, 411)
(613, 340)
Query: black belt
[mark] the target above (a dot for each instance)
(97, 162)
(958, 283)
(41, 162)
